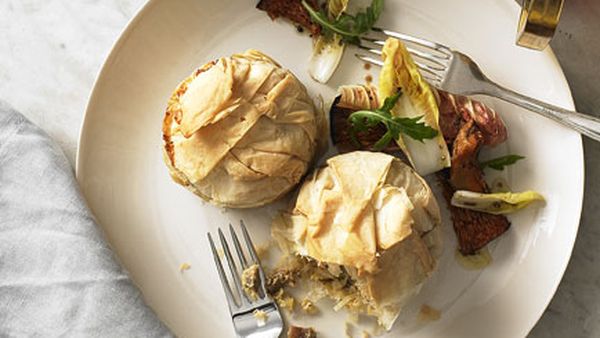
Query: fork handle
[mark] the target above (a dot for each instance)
(585, 124)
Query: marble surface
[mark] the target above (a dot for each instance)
(51, 52)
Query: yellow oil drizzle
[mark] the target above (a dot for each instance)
(477, 261)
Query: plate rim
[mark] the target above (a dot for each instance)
(138, 16)
(115, 48)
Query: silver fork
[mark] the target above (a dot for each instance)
(455, 72)
(241, 306)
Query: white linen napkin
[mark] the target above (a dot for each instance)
(58, 277)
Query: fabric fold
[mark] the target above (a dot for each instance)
(58, 275)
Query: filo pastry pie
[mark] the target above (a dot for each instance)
(241, 131)
(367, 228)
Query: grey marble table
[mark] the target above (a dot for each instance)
(51, 52)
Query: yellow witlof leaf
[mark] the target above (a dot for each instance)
(399, 72)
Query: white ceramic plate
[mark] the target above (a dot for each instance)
(155, 225)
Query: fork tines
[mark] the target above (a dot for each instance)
(237, 297)
(433, 59)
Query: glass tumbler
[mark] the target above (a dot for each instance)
(538, 22)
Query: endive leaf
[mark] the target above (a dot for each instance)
(335, 8)
(326, 56)
(496, 203)
(400, 72)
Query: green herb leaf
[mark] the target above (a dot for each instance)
(349, 27)
(383, 142)
(501, 162)
(416, 129)
(390, 102)
(364, 120)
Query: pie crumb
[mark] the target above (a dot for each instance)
(184, 266)
(308, 307)
(301, 332)
(251, 281)
(261, 317)
(284, 300)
